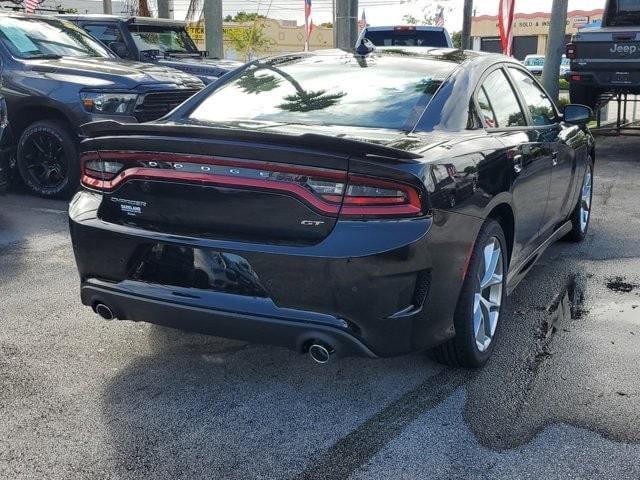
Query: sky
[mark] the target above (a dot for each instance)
(383, 12)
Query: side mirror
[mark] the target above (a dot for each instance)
(119, 48)
(577, 114)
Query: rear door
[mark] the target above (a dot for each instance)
(528, 159)
(555, 139)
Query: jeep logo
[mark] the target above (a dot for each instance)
(623, 49)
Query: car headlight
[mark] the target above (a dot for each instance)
(109, 103)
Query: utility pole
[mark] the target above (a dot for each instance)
(164, 8)
(345, 29)
(555, 48)
(213, 28)
(106, 7)
(467, 14)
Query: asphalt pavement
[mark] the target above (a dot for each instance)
(81, 397)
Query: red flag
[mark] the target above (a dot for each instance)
(505, 25)
(30, 6)
(308, 24)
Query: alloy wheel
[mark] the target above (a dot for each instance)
(45, 160)
(488, 294)
(585, 200)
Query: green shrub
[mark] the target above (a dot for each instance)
(564, 84)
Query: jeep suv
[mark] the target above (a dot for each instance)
(55, 78)
(155, 40)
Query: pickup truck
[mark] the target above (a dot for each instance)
(154, 40)
(55, 78)
(406, 36)
(606, 58)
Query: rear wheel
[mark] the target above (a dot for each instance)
(48, 159)
(582, 211)
(481, 301)
(584, 95)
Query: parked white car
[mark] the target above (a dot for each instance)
(535, 63)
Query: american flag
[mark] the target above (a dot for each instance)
(440, 17)
(505, 25)
(362, 23)
(308, 24)
(30, 5)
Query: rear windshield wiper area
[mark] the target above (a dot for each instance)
(625, 18)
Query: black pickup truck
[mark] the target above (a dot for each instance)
(55, 78)
(155, 40)
(606, 58)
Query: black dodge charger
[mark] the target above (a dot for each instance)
(334, 203)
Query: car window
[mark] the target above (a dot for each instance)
(407, 37)
(43, 37)
(488, 116)
(381, 92)
(539, 105)
(503, 101)
(105, 33)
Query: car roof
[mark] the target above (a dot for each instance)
(407, 27)
(125, 19)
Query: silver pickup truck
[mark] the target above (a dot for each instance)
(606, 58)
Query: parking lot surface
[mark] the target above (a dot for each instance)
(81, 397)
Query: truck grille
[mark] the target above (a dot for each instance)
(156, 104)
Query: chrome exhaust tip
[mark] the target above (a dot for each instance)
(104, 311)
(320, 353)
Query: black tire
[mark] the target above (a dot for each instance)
(47, 159)
(579, 229)
(584, 95)
(462, 350)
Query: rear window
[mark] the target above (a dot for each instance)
(376, 92)
(623, 12)
(407, 38)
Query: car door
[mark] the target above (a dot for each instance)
(556, 138)
(528, 160)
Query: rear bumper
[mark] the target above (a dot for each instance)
(375, 288)
(606, 79)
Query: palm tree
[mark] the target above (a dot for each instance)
(304, 100)
(252, 83)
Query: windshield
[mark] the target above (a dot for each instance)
(167, 39)
(377, 92)
(623, 12)
(407, 38)
(48, 38)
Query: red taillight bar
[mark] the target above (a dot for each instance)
(571, 51)
(381, 198)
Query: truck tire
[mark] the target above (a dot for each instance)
(584, 95)
(48, 159)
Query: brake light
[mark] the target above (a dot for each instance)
(404, 28)
(366, 197)
(331, 192)
(576, 78)
(571, 51)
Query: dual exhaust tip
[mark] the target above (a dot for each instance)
(104, 311)
(319, 352)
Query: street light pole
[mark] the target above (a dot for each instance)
(213, 28)
(164, 9)
(555, 48)
(106, 7)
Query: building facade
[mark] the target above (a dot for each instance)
(285, 35)
(530, 31)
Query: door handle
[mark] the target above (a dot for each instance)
(554, 158)
(517, 163)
